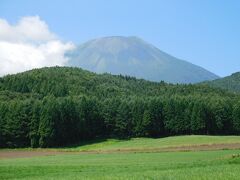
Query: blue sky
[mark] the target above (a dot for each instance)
(203, 32)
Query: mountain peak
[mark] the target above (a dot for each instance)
(114, 44)
(135, 57)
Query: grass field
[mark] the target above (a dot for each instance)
(197, 164)
(150, 143)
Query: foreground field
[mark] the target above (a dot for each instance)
(166, 165)
(139, 158)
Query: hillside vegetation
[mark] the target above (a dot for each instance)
(59, 106)
(231, 83)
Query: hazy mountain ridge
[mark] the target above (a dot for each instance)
(135, 57)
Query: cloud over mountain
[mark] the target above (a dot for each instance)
(29, 44)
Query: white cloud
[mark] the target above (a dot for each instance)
(29, 44)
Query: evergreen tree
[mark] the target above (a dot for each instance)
(236, 118)
(123, 121)
(48, 120)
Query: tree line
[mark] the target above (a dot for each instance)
(58, 121)
(56, 106)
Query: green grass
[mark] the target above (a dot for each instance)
(142, 143)
(146, 143)
(132, 165)
(167, 165)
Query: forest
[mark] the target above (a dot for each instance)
(60, 106)
(230, 83)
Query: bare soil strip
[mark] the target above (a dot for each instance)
(26, 153)
(32, 153)
(202, 147)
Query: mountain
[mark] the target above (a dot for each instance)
(135, 57)
(62, 105)
(231, 83)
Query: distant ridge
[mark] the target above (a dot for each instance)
(231, 83)
(135, 57)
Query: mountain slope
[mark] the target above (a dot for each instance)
(132, 56)
(231, 83)
(49, 81)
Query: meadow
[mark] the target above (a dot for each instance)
(143, 144)
(106, 160)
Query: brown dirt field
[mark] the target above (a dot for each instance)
(202, 147)
(26, 153)
(38, 152)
